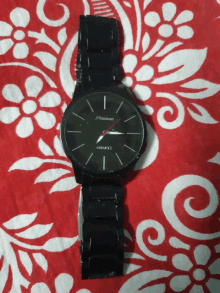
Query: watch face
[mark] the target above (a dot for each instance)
(104, 132)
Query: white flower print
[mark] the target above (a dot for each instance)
(202, 255)
(29, 106)
(145, 73)
(63, 284)
(20, 18)
(167, 28)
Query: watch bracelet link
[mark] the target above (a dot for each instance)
(98, 57)
(101, 246)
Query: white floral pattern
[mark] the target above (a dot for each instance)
(29, 106)
(165, 30)
(202, 254)
(145, 73)
(20, 18)
(193, 277)
(63, 284)
(174, 67)
(160, 62)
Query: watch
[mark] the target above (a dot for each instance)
(103, 133)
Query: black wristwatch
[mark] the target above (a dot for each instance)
(103, 133)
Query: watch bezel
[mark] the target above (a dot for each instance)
(119, 90)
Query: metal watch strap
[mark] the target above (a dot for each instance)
(98, 55)
(102, 231)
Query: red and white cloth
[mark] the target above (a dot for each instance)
(170, 55)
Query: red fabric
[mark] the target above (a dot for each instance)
(170, 55)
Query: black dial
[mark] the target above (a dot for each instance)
(104, 132)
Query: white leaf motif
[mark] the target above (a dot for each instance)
(209, 89)
(44, 148)
(26, 261)
(20, 221)
(177, 243)
(137, 281)
(127, 4)
(146, 2)
(29, 163)
(215, 159)
(168, 48)
(129, 268)
(41, 261)
(64, 184)
(58, 147)
(62, 36)
(59, 244)
(64, 283)
(145, 42)
(187, 62)
(47, 59)
(153, 50)
(51, 175)
(205, 117)
(36, 231)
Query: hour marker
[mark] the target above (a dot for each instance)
(74, 131)
(132, 133)
(78, 147)
(104, 102)
(129, 148)
(119, 107)
(89, 158)
(129, 118)
(78, 116)
(90, 105)
(103, 162)
(119, 158)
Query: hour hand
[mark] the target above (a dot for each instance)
(100, 138)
